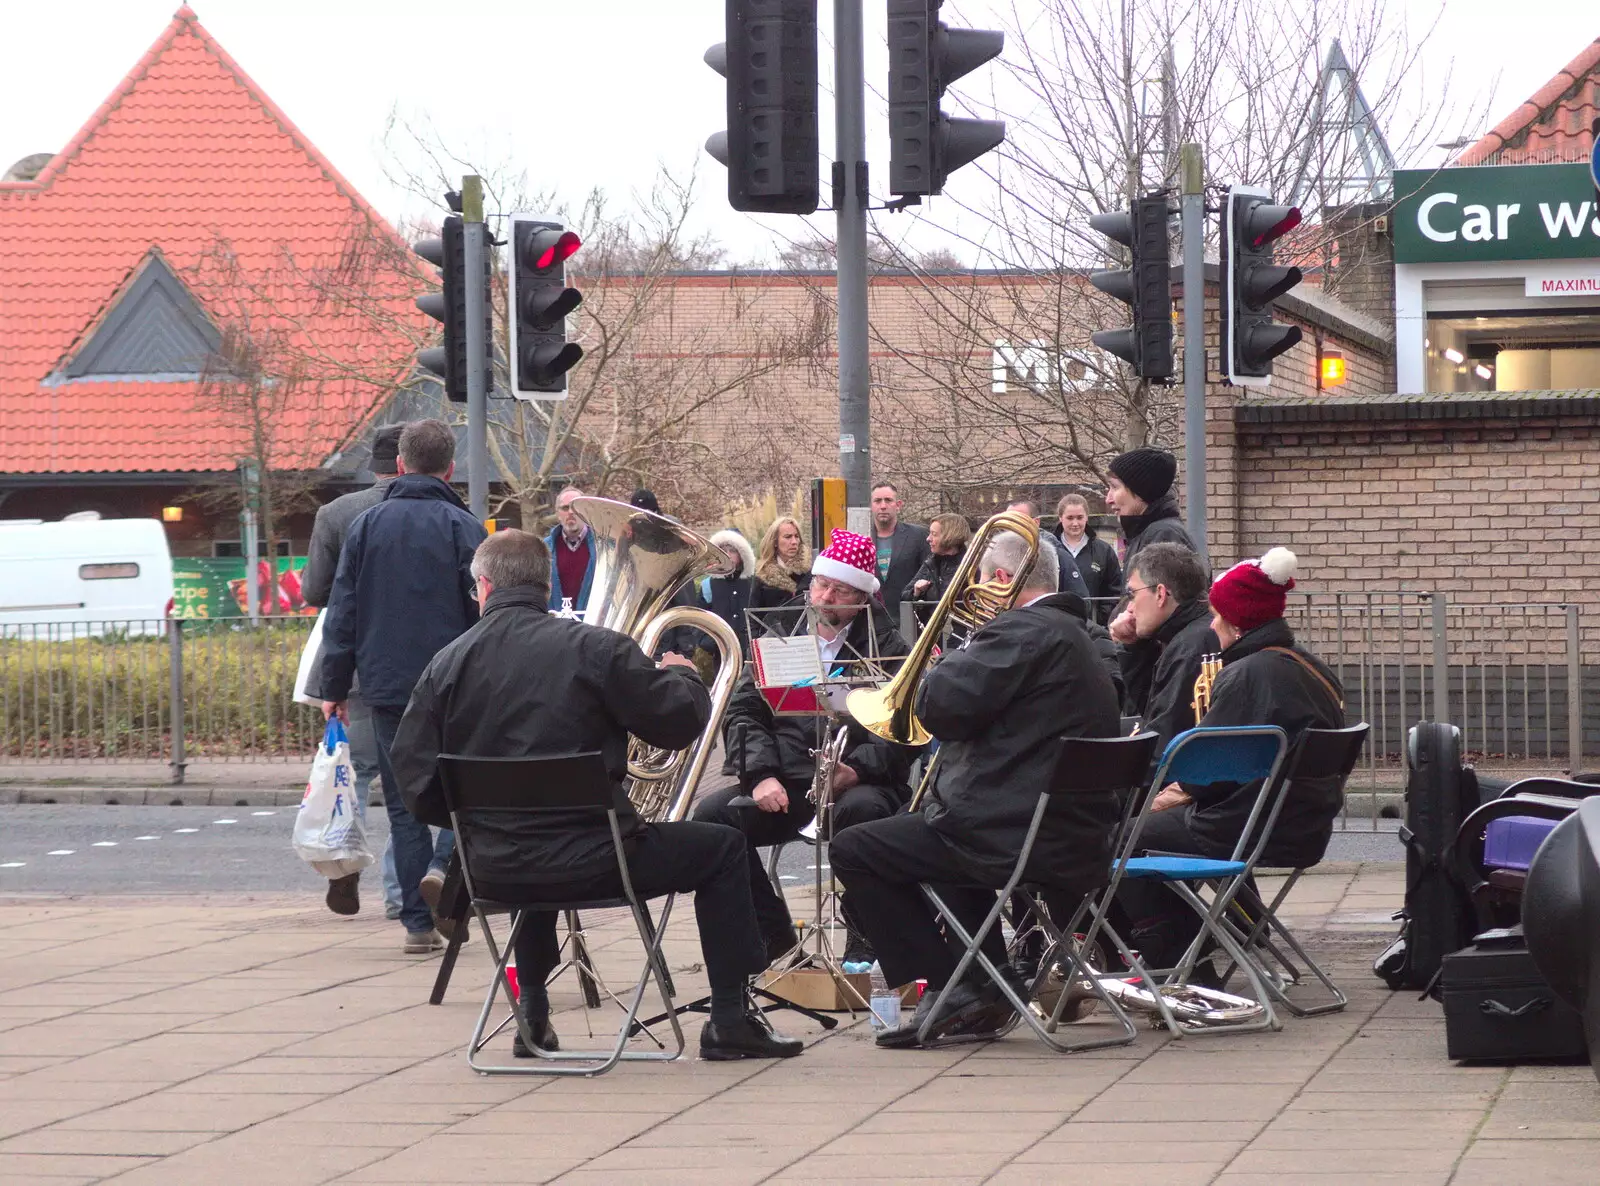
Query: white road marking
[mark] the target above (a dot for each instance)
(147, 838)
(61, 852)
(263, 813)
(224, 821)
(13, 864)
(105, 844)
(787, 877)
(181, 831)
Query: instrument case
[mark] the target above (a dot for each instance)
(1497, 1006)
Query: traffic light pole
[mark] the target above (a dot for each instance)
(850, 205)
(474, 245)
(1191, 174)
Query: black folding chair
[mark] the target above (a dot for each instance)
(1317, 754)
(1084, 766)
(534, 788)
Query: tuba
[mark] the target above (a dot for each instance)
(641, 561)
(970, 603)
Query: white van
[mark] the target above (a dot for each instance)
(105, 571)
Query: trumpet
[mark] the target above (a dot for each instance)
(1210, 668)
(889, 712)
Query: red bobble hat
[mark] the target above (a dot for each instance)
(851, 559)
(1253, 592)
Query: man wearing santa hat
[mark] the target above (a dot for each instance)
(1266, 679)
(773, 754)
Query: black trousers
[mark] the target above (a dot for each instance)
(880, 864)
(860, 804)
(1153, 918)
(685, 857)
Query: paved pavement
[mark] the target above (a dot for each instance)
(184, 1039)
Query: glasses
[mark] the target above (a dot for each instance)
(1135, 590)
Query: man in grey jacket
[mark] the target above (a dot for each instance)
(316, 583)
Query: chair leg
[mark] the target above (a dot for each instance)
(1209, 914)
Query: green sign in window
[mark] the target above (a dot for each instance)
(1495, 212)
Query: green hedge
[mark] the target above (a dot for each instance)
(108, 696)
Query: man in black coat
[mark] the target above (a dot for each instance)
(901, 547)
(594, 688)
(1139, 493)
(1266, 679)
(773, 754)
(999, 708)
(316, 584)
(1167, 597)
(403, 590)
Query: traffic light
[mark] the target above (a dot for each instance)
(1146, 285)
(1251, 282)
(449, 305)
(770, 145)
(925, 57)
(539, 302)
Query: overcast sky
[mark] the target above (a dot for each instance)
(617, 85)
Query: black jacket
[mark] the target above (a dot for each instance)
(1100, 569)
(998, 708)
(403, 590)
(1183, 641)
(937, 571)
(762, 744)
(908, 550)
(1069, 580)
(1258, 686)
(525, 683)
(328, 534)
(1160, 524)
(765, 596)
(727, 598)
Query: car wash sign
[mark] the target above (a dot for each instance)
(1495, 212)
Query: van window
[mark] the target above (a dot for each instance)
(107, 572)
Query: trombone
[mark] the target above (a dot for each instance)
(890, 711)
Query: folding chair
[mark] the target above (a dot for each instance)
(1318, 753)
(1201, 757)
(1083, 766)
(531, 788)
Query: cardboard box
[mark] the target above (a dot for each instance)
(815, 988)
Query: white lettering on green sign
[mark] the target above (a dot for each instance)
(1458, 215)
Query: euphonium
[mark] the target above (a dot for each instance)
(641, 560)
(889, 711)
(1210, 668)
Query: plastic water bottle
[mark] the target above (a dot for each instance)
(884, 1002)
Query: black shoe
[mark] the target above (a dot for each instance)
(1204, 975)
(960, 998)
(544, 1037)
(781, 943)
(857, 947)
(752, 1036)
(344, 894)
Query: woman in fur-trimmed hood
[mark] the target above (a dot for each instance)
(728, 596)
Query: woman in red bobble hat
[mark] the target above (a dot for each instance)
(1266, 679)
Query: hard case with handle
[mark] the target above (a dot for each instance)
(1497, 1007)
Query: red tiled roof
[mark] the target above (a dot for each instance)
(1556, 124)
(188, 153)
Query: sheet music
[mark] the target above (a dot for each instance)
(786, 662)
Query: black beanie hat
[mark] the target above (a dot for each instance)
(386, 448)
(1147, 472)
(645, 500)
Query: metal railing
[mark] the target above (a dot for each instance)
(104, 692)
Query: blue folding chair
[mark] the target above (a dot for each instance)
(1204, 757)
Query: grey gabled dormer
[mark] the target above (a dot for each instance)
(156, 330)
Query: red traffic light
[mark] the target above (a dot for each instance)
(549, 248)
(1266, 224)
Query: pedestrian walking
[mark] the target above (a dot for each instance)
(403, 590)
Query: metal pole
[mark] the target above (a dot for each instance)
(1191, 177)
(1574, 691)
(1441, 661)
(473, 249)
(175, 693)
(850, 207)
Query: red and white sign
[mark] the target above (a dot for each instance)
(1579, 281)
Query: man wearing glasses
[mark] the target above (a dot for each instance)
(1167, 598)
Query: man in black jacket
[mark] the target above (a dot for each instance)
(1167, 598)
(773, 754)
(402, 591)
(999, 709)
(594, 688)
(901, 547)
(1139, 493)
(316, 584)
(1265, 680)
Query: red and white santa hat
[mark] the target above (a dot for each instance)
(850, 559)
(1253, 592)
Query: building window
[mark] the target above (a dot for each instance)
(1514, 351)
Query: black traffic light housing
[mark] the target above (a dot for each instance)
(770, 145)
(539, 302)
(1251, 282)
(925, 57)
(449, 306)
(1146, 286)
